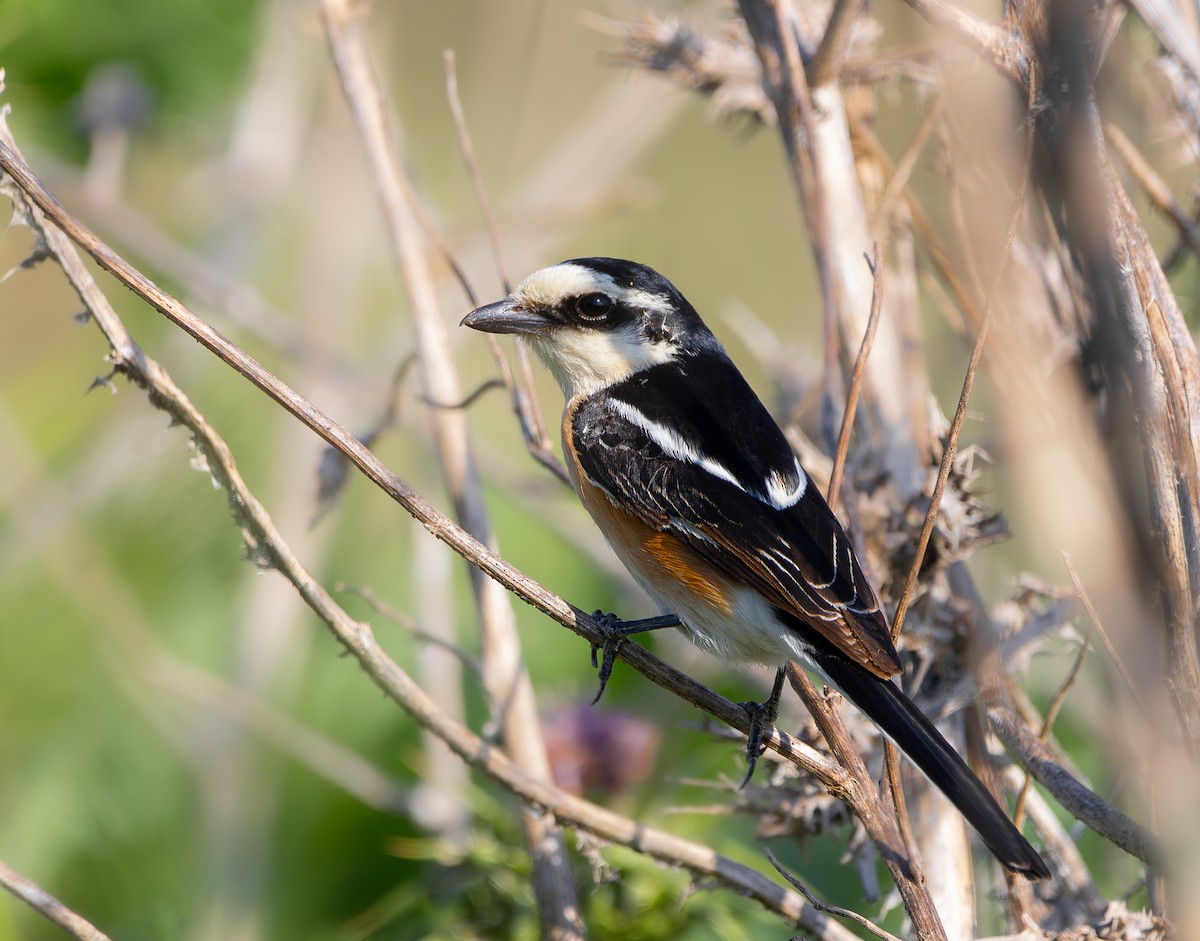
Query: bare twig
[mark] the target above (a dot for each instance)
(960, 412)
(524, 399)
(908, 160)
(962, 234)
(1005, 50)
(470, 399)
(1098, 626)
(41, 901)
(1152, 733)
(535, 443)
(1078, 799)
(826, 62)
(891, 763)
(468, 154)
(825, 906)
(1052, 710)
(1060, 695)
(833, 494)
(1154, 186)
(939, 256)
(396, 616)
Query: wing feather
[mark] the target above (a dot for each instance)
(797, 556)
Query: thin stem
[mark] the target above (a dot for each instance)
(524, 398)
(960, 412)
(825, 906)
(1047, 724)
(42, 901)
(1098, 626)
(468, 155)
(856, 381)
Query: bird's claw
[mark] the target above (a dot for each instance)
(762, 721)
(615, 631)
(611, 626)
(755, 738)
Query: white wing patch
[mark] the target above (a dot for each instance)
(671, 442)
(833, 554)
(779, 495)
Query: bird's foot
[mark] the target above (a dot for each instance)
(762, 721)
(615, 631)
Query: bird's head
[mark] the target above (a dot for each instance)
(596, 321)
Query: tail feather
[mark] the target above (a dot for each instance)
(899, 718)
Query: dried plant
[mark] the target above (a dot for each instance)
(1025, 238)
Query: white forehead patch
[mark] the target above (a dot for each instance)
(551, 286)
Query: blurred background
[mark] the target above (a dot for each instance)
(183, 752)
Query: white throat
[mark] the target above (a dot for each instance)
(586, 361)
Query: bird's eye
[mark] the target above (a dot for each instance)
(593, 306)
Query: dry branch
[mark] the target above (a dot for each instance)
(1082, 802)
(41, 901)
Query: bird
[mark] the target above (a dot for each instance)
(698, 492)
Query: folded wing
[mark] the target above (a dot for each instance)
(761, 522)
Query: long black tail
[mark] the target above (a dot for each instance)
(899, 718)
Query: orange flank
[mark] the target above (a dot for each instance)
(681, 565)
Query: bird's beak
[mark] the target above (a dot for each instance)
(507, 317)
